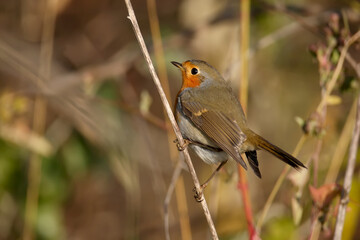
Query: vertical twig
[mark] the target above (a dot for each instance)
(331, 84)
(243, 94)
(316, 155)
(34, 175)
(161, 67)
(156, 80)
(341, 147)
(182, 207)
(278, 184)
(345, 136)
(174, 179)
(244, 52)
(348, 176)
(329, 88)
(158, 47)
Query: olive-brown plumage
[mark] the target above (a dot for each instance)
(211, 118)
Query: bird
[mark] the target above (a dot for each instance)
(212, 121)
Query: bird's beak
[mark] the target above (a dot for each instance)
(178, 65)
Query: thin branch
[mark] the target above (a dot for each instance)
(158, 46)
(330, 86)
(351, 160)
(341, 147)
(345, 136)
(174, 179)
(316, 154)
(39, 123)
(278, 184)
(348, 176)
(244, 49)
(353, 64)
(167, 107)
(174, 154)
(243, 94)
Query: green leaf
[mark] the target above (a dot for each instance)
(335, 55)
(145, 102)
(300, 121)
(333, 100)
(297, 210)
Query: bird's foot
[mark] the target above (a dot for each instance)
(183, 146)
(199, 195)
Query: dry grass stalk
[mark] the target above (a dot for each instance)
(167, 107)
(174, 156)
(243, 94)
(348, 176)
(39, 123)
(329, 88)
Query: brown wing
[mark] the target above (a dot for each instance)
(220, 128)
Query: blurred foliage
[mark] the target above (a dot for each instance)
(281, 228)
(105, 153)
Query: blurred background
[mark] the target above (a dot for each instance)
(86, 151)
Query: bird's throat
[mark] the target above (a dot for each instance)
(190, 81)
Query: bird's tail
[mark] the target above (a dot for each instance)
(278, 152)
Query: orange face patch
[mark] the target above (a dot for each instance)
(189, 80)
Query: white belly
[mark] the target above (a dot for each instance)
(208, 156)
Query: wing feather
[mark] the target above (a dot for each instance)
(220, 128)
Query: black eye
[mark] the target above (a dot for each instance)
(194, 71)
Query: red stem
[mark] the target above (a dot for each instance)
(244, 189)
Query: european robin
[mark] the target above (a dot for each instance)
(212, 121)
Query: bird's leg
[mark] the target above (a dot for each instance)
(199, 195)
(213, 174)
(182, 147)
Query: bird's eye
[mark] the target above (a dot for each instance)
(194, 71)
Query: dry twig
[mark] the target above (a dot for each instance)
(174, 154)
(348, 176)
(39, 124)
(329, 88)
(351, 161)
(174, 179)
(243, 94)
(167, 107)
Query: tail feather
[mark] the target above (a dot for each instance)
(253, 162)
(279, 153)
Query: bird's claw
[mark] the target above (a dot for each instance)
(199, 196)
(181, 147)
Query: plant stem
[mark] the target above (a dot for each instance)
(39, 123)
(329, 87)
(243, 94)
(278, 184)
(167, 107)
(174, 156)
(348, 176)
